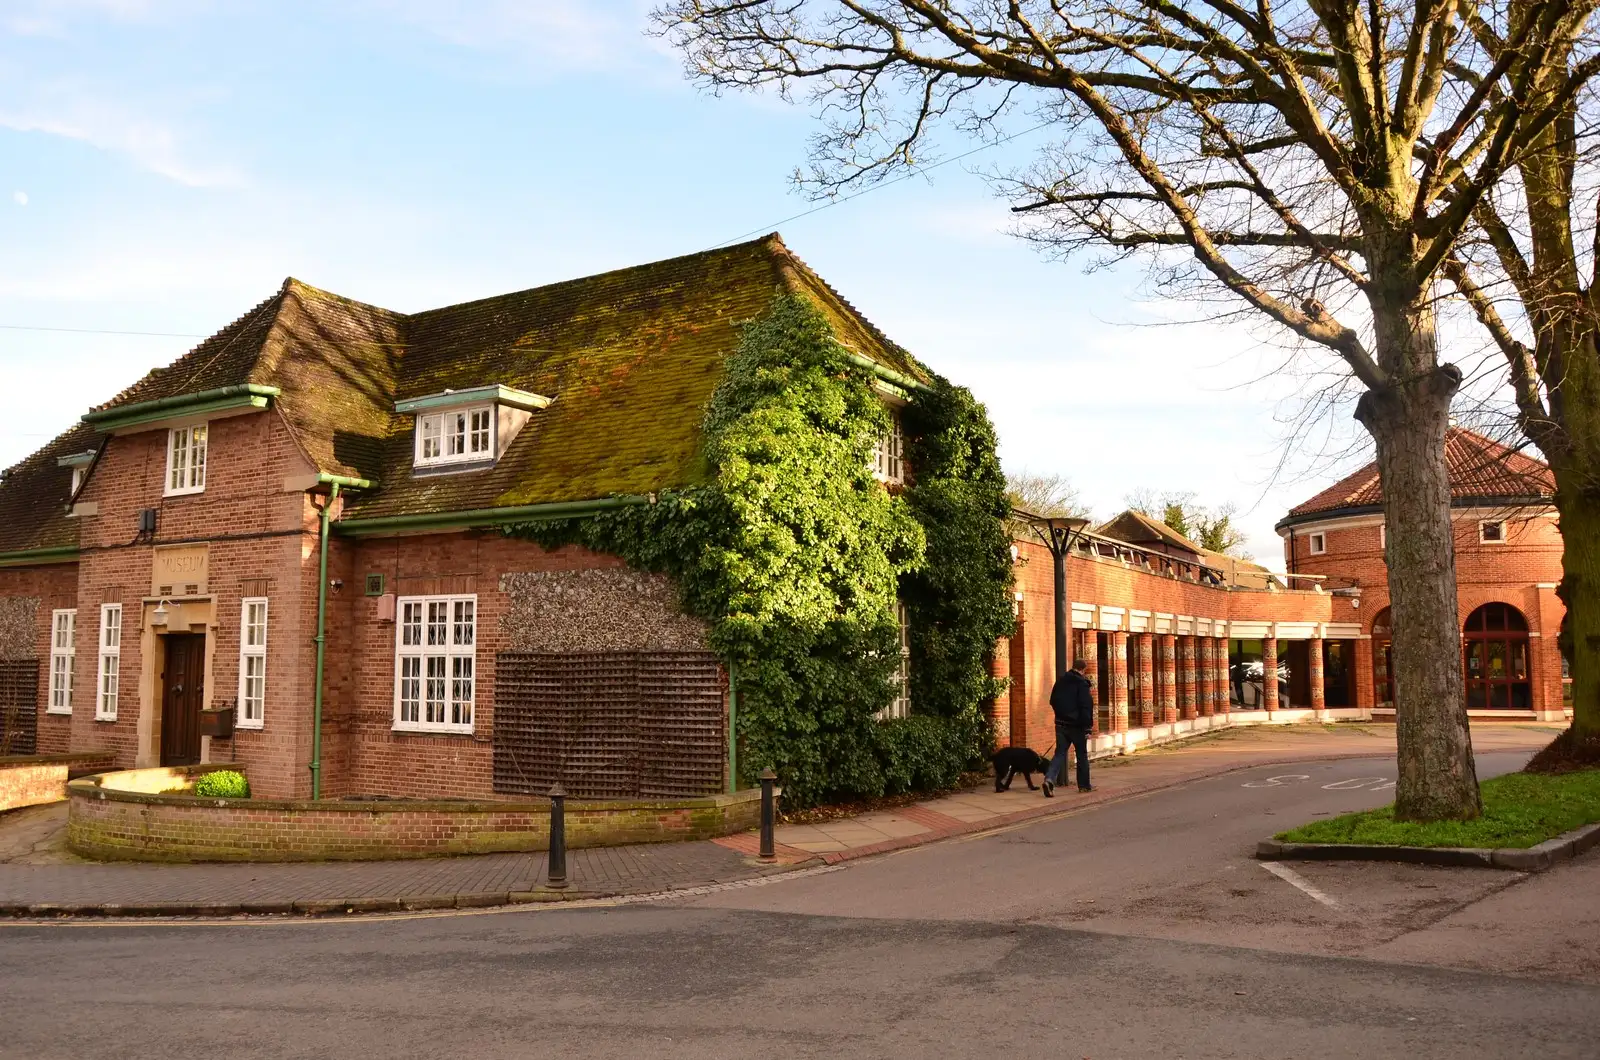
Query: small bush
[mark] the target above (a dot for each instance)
(223, 784)
(923, 753)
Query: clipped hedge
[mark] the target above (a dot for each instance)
(223, 784)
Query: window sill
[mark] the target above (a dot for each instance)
(250, 726)
(105, 718)
(183, 493)
(420, 730)
(57, 712)
(452, 467)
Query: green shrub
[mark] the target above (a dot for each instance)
(223, 784)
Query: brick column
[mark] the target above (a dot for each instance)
(1224, 686)
(1167, 644)
(1269, 674)
(1089, 651)
(1119, 682)
(1188, 681)
(1146, 683)
(999, 708)
(1205, 668)
(1319, 701)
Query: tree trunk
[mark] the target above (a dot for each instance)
(1437, 780)
(1580, 591)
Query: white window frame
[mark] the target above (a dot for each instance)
(1383, 535)
(456, 436)
(1317, 543)
(186, 460)
(77, 482)
(109, 674)
(417, 655)
(900, 706)
(889, 456)
(252, 655)
(1484, 524)
(63, 657)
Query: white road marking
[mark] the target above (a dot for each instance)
(1274, 782)
(1294, 879)
(1353, 783)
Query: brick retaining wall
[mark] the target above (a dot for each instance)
(106, 820)
(33, 780)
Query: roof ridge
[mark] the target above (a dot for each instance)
(608, 273)
(787, 256)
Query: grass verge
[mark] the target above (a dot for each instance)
(1519, 810)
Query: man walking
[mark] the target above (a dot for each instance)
(1073, 703)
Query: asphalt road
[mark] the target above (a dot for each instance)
(1139, 929)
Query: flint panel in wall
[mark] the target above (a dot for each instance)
(609, 724)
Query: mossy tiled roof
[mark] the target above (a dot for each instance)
(34, 495)
(629, 357)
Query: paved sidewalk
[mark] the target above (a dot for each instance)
(37, 879)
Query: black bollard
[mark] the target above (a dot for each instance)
(768, 850)
(556, 875)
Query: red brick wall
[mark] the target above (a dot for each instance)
(117, 824)
(375, 759)
(257, 532)
(55, 587)
(38, 779)
(1508, 572)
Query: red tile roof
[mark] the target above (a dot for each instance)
(1480, 469)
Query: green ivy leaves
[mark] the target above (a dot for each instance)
(796, 555)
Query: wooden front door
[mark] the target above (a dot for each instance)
(183, 684)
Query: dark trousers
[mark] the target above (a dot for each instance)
(1070, 736)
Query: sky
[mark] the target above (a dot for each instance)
(164, 164)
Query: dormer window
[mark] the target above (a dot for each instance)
(186, 460)
(467, 430)
(456, 436)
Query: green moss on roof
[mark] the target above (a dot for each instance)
(630, 358)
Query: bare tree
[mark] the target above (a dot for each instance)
(1048, 495)
(1319, 161)
(1526, 280)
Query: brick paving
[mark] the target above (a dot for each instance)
(69, 885)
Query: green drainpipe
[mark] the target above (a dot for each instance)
(334, 482)
(733, 731)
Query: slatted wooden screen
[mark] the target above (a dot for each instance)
(610, 724)
(19, 705)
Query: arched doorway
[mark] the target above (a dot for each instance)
(1382, 660)
(1495, 644)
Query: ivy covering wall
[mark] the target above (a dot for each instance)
(795, 556)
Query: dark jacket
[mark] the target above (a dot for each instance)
(1073, 701)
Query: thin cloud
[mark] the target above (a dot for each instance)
(148, 143)
(563, 35)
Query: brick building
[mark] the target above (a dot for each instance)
(164, 563)
(1508, 563)
(304, 517)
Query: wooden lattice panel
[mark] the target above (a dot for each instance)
(19, 704)
(609, 724)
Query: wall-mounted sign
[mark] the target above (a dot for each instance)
(180, 571)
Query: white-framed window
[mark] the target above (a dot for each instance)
(77, 481)
(63, 654)
(900, 706)
(1317, 543)
(889, 458)
(105, 703)
(454, 437)
(186, 460)
(435, 663)
(252, 662)
(1492, 531)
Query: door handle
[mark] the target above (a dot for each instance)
(177, 689)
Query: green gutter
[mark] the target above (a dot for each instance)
(39, 556)
(526, 513)
(334, 482)
(889, 375)
(217, 399)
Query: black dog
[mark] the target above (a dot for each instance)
(1009, 761)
